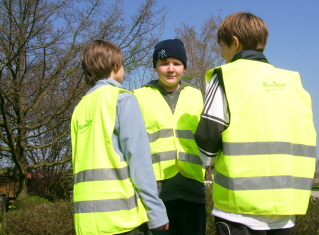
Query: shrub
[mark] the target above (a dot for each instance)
(28, 203)
(51, 185)
(42, 218)
(308, 224)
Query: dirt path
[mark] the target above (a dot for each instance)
(315, 193)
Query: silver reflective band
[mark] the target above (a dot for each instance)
(165, 133)
(163, 156)
(190, 158)
(263, 182)
(171, 155)
(105, 205)
(101, 174)
(185, 134)
(260, 148)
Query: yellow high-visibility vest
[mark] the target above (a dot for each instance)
(171, 135)
(105, 201)
(268, 158)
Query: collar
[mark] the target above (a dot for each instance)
(108, 81)
(103, 82)
(250, 55)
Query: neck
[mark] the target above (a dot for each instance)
(169, 88)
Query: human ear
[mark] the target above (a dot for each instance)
(237, 44)
(235, 41)
(115, 69)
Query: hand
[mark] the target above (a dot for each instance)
(163, 227)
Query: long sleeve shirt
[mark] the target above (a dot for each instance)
(216, 116)
(215, 119)
(130, 142)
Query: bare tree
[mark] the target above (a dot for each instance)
(40, 76)
(203, 51)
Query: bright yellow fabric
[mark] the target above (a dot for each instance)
(267, 105)
(158, 116)
(92, 126)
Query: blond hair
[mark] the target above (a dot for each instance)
(250, 30)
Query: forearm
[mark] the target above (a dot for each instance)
(136, 149)
(214, 119)
(208, 137)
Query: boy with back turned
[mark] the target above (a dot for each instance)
(257, 121)
(114, 185)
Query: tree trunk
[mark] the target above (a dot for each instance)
(21, 188)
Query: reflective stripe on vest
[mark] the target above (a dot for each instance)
(171, 136)
(103, 190)
(101, 174)
(171, 155)
(108, 205)
(268, 157)
(164, 133)
(257, 148)
(263, 182)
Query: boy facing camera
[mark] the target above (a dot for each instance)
(171, 111)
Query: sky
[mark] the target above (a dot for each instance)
(293, 41)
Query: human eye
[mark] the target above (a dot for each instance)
(163, 61)
(163, 64)
(176, 63)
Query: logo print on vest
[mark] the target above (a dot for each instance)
(274, 86)
(83, 128)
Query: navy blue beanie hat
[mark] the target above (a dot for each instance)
(170, 48)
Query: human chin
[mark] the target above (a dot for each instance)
(171, 80)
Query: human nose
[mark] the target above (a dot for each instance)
(170, 67)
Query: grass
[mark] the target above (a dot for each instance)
(315, 187)
(37, 216)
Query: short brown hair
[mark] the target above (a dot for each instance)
(250, 30)
(99, 59)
